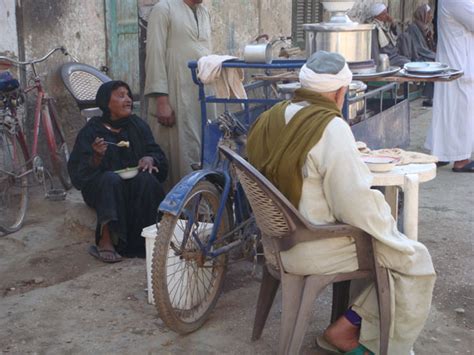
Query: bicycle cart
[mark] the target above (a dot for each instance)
(206, 215)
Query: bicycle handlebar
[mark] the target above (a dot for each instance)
(34, 61)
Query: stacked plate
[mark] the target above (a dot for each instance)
(426, 70)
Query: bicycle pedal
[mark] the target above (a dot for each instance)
(56, 195)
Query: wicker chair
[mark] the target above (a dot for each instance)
(282, 227)
(83, 81)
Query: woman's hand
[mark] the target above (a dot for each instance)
(99, 147)
(147, 164)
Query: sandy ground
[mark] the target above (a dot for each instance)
(55, 298)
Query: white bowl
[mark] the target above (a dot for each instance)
(338, 6)
(127, 173)
(380, 164)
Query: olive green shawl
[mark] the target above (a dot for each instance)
(279, 150)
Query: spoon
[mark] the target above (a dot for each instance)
(122, 144)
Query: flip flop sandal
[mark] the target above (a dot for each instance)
(98, 254)
(360, 350)
(468, 168)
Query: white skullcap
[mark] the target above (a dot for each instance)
(325, 72)
(377, 9)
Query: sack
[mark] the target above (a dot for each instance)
(8, 82)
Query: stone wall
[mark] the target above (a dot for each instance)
(76, 24)
(236, 23)
(8, 43)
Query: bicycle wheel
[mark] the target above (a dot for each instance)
(58, 149)
(13, 189)
(186, 284)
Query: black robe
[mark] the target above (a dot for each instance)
(125, 205)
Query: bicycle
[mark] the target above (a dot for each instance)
(16, 161)
(206, 215)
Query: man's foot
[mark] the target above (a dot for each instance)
(464, 166)
(105, 255)
(442, 163)
(342, 334)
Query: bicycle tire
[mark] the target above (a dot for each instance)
(58, 149)
(13, 191)
(203, 284)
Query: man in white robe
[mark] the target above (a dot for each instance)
(178, 31)
(336, 186)
(451, 134)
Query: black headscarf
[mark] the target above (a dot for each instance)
(102, 100)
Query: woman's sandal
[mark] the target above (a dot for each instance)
(98, 254)
(360, 350)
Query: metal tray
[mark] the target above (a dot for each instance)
(445, 73)
(392, 70)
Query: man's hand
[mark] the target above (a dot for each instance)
(99, 147)
(147, 164)
(164, 112)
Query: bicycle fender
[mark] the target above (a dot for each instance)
(174, 200)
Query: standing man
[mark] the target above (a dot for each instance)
(451, 134)
(178, 31)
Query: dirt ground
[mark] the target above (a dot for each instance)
(55, 298)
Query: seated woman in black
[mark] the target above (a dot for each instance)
(123, 207)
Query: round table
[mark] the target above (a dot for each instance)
(408, 178)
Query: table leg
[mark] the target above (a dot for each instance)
(410, 210)
(391, 196)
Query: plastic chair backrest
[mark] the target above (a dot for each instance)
(83, 81)
(275, 215)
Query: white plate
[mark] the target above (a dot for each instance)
(425, 67)
(379, 164)
(390, 71)
(127, 173)
(446, 73)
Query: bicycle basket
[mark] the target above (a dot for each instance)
(8, 82)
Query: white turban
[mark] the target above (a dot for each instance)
(321, 77)
(377, 9)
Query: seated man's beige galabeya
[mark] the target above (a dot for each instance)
(309, 152)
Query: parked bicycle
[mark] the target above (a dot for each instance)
(206, 215)
(17, 163)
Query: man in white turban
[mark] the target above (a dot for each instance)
(332, 184)
(387, 37)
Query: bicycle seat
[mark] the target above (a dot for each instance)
(83, 81)
(8, 82)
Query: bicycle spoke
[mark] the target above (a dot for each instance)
(179, 288)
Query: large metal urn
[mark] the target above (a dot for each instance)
(352, 40)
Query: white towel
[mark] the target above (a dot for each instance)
(228, 82)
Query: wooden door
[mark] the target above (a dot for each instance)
(122, 42)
